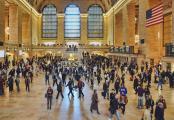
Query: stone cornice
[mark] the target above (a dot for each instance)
(27, 7)
(117, 7)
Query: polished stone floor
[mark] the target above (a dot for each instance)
(32, 106)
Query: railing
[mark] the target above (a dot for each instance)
(70, 49)
(123, 50)
(169, 49)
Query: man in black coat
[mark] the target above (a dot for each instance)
(114, 105)
(64, 78)
(59, 90)
(159, 112)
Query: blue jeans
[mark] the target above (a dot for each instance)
(117, 113)
(140, 101)
(159, 85)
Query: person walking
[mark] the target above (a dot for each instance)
(123, 90)
(150, 103)
(47, 78)
(94, 103)
(117, 85)
(147, 114)
(159, 111)
(10, 83)
(54, 80)
(123, 101)
(140, 92)
(70, 85)
(64, 78)
(49, 96)
(17, 81)
(135, 84)
(31, 75)
(114, 105)
(160, 83)
(27, 83)
(80, 86)
(59, 90)
(105, 90)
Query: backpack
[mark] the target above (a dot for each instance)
(81, 84)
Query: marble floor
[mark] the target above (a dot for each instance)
(32, 106)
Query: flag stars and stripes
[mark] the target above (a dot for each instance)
(154, 15)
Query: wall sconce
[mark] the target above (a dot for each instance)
(7, 30)
(7, 49)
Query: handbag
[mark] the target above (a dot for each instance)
(103, 93)
(46, 95)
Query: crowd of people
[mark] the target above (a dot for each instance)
(11, 74)
(91, 69)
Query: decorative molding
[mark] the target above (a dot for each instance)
(118, 6)
(27, 6)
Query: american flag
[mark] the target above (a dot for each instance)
(154, 15)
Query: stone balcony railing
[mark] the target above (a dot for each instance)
(122, 50)
(63, 47)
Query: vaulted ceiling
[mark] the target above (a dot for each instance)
(61, 4)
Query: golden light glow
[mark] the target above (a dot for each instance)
(71, 57)
(7, 30)
(98, 53)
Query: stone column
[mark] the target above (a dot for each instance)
(118, 29)
(110, 27)
(84, 30)
(2, 21)
(172, 21)
(142, 22)
(19, 26)
(15, 24)
(131, 24)
(26, 28)
(61, 29)
(125, 24)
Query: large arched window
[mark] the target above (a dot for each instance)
(95, 22)
(72, 21)
(49, 22)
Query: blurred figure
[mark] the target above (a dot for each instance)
(94, 104)
(59, 90)
(80, 86)
(49, 96)
(147, 114)
(17, 81)
(159, 111)
(1, 86)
